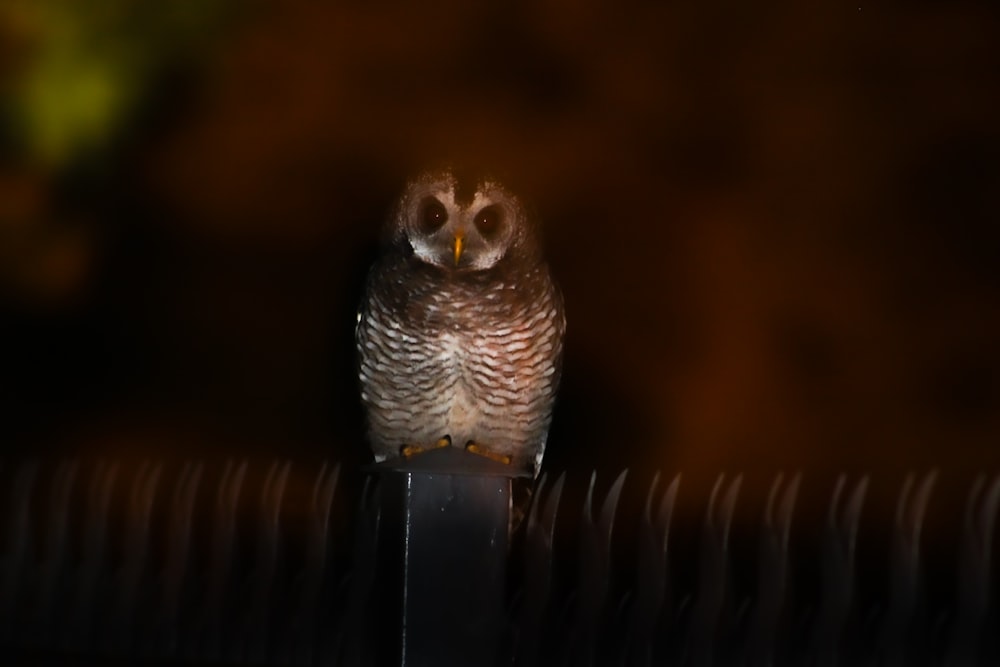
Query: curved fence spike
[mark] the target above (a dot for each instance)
(319, 513)
(257, 633)
(594, 576)
(652, 592)
(172, 578)
(349, 646)
(214, 627)
(306, 621)
(132, 582)
(537, 563)
(839, 545)
(52, 576)
(713, 572)
(900, 643)
(318, 536)
(18, 550)
(92, 602)
(772, 571)
(974, 572)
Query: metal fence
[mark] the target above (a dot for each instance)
(283, 564)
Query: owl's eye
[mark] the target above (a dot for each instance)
(432, 215)
(488, 220)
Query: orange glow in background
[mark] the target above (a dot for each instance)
(776, 226)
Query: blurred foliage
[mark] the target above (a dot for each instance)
(74, 79)
(80, 68)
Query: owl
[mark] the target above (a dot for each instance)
(460, 332)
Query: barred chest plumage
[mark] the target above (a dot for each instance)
(474, 359)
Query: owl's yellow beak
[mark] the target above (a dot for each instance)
(459, 235)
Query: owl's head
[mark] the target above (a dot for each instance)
(462, 223)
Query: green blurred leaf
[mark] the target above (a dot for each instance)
(88, 65)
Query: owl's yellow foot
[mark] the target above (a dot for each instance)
(484, 451)
(412, 450)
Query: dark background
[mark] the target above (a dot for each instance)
(775, 224)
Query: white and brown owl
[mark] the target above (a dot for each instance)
(460, 332)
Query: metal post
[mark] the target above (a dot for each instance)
(442, 559)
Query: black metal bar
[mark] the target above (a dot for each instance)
(443, 555)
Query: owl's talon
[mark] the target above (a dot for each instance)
(493, 456)
(408, 451)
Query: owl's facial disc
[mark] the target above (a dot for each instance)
(458, 235)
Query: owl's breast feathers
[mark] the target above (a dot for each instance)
(476, 302)
(477, 354)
